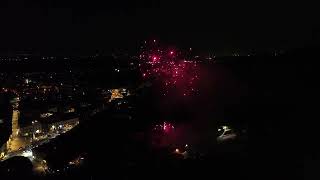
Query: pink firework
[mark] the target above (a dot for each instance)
(170, 69)
(164, 127)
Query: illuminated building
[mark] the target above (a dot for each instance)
(115, 94)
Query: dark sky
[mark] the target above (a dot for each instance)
(93, 24)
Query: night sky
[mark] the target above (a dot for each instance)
(88, 25)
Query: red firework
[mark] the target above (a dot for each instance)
(170, 68)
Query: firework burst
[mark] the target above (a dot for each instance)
(169, 67)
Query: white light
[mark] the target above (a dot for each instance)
(37, 131)
(27, 153)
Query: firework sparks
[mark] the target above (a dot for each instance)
(170, 68)
(165, 127)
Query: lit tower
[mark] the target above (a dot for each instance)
(15, 118)
(15, 142)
